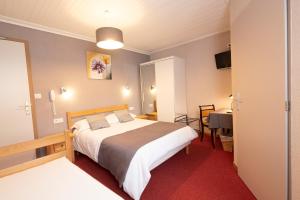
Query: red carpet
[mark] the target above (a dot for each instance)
(203, 174)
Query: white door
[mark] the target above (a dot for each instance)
(164, 77)
(259, 66)
(15, 116)
(295, 99)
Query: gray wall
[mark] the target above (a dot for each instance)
(205, 84)
(61, 61)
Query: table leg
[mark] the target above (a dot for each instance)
(213, 137)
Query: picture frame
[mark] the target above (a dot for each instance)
(98, 66)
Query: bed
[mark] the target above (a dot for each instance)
(51, 177)
(146, 158)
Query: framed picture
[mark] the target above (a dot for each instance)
(98, 66)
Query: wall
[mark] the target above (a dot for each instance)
(61, 61)
(295, 100)
(205, 84)
(259, 64)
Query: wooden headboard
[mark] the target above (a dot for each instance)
(13, 149)
(77, 114)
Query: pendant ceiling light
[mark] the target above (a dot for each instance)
(109, 38)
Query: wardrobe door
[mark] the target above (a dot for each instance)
(148, 85)
(164, 76)
(180, 86)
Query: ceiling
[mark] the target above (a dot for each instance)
(147, 25)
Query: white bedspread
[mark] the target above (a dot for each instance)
(58, 179)
(146, 158)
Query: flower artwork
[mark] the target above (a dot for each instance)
(99, 66)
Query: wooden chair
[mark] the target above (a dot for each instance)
(203, 121)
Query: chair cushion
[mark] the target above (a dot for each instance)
(205, 120)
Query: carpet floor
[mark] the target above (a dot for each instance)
(204, 174)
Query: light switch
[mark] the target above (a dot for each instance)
(38, 96)
(58, 120)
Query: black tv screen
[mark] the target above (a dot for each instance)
(223, 60)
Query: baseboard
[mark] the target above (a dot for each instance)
(235, 167)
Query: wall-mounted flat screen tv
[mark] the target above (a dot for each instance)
(223, 60)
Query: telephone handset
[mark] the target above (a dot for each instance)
(52, 100)
(52, 95)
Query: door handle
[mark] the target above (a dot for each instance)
(26, 107)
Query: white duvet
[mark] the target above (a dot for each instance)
(58, 179)
(146, 158)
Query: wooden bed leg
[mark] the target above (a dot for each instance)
(187, 149)
(69, 145)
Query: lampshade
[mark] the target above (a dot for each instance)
(109, 38)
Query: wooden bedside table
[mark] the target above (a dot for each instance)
(148, 116)
(56, 148)
(152, 116)
(142, 117)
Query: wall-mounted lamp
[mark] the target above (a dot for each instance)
(230, 96)
(66, 93)
(126, 91)
(152, 89)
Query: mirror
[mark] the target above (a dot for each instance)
(148, 88)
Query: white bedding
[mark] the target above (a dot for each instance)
(146, 158)
(58, 179)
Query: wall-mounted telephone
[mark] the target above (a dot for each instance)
(52, 100)
(52, 95)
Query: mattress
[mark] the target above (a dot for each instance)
(145, 159)
(58, 179)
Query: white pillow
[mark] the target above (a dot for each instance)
(81, 125)
(112, 118)
(132, 115)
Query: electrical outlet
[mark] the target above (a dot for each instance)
(58, 120)
(131, 108)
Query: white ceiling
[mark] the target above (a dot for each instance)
(147, 25)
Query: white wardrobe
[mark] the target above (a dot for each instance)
(170, 83)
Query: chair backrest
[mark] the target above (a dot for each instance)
(205, 110)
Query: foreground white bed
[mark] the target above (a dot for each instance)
(146, 158)
(50, 177)
(58, 179)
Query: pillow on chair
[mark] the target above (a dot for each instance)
(205, 120)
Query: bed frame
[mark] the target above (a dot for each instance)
(13, 149)
(72, 115)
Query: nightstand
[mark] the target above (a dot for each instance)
(56, 148)
(152, 116)
(148, 116)
(142, 117)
